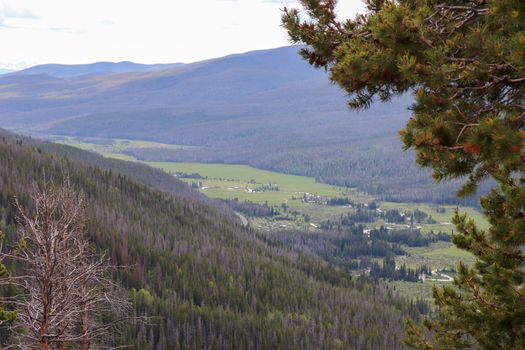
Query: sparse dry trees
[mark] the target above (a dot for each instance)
(65, 288)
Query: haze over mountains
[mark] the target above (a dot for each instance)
(267, 108)
(76, 70)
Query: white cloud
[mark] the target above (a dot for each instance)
(9, 11)
(282, 2)
(148, 31)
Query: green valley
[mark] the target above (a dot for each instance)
(265, 174)
(300, 203)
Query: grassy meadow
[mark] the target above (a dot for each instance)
(229, 181)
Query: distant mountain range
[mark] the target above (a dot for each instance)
(266, 108)
(77, 70)
(250, 84)
(5, 71)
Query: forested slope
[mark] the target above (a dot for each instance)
(211, 282)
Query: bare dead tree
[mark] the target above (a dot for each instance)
(66, 287)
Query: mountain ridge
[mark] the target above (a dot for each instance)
(102, 67)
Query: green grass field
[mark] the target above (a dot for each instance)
(228, 181)
(440, 255)
(111, 148)
(422, 290)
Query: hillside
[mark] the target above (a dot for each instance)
(76, 70)
(267, 108)
(210, 282)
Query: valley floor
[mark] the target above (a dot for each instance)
(303, 204)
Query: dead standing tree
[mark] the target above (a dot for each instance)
(65, 287)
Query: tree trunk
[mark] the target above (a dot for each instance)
(44, 344)
(44, 341)
(84, 328)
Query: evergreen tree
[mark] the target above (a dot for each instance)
(4, 315)
(464, 60)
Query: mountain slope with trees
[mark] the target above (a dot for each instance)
(206, 280)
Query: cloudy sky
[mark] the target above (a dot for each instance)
(146, 31)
